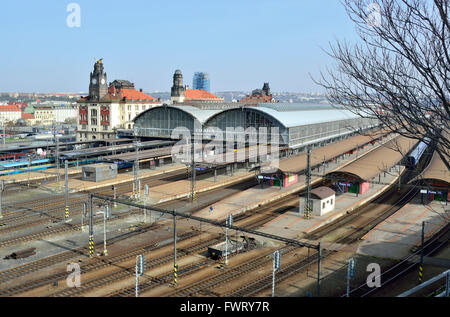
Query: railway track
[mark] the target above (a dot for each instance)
(128, 271)
(37, 265)
(357, 225)
(58, 202)
(250, 220)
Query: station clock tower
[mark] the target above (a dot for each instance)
(98, 85)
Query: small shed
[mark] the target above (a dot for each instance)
(323, 200)
(99, 172)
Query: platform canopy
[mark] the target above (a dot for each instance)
(376, 161)
(435, 172)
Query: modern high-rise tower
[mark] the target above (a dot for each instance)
(201, 81)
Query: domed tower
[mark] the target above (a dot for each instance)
(98, 86)
(177, 91)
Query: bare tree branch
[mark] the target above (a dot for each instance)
(399, 73)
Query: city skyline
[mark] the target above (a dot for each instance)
(240, 45)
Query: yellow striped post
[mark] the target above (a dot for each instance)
(175, 274)
(420, 273)
(91, 246)
(67, 212)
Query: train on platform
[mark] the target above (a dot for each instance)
(414, 157)
(24, 166)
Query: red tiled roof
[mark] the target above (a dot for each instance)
(26, 115)
(9, 108)
(196, 94)
(117, 95)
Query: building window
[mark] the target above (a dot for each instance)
(129, 108)
(94, 112)
(143, 107)
(331, 200)
(93, 121)
(105, 127)
(323, 205)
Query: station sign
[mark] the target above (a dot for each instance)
(345, 184)
(266, 177)
(424, 191)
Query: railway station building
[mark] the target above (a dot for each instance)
(296, 129)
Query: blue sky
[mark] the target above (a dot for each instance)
(240, 43)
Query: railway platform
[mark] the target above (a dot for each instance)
(42, 175)
(78, 185)
(400, 233)
(292, 224)
(182, 188)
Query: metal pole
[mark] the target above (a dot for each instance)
(226, 244)
(308, 185)
(115, 196)
(193, 198)
(105, 251)
(421, 253)
(82, 216)
(137, 276)
(91, 226)
(175, 265)
(66, 183)
(136, 172)
(319, 254)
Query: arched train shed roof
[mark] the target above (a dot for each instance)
(199, 114)
(289, 119)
